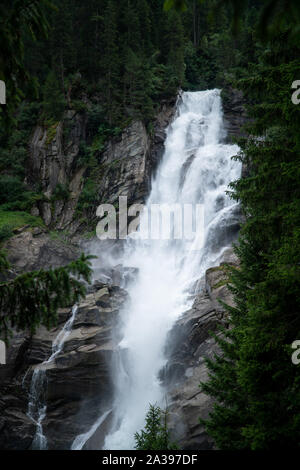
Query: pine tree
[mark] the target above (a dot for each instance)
(32, 299)
(255, 383)
(17, 16)
(175, 44)
(155, 436)
(110, 62)
(53, 99)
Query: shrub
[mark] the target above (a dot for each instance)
(5, 232)
(11, 189)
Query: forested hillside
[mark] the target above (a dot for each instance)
(114, 62)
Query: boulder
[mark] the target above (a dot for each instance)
(35, 249)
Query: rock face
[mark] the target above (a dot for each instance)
(124, 168)
(29, 250)
(78, 379)
(129, 162)
(235, 116)
(79, 385)
(52, 164)
(189, 343)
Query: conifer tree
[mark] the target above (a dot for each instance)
(155, 436)
(32, 299)
(110, 61)
(174, 38)
(255, 383)
(53, 99)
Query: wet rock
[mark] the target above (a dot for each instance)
(53, 152)
(188, 344)
(235, 116)
(78, 379)
(35, 249)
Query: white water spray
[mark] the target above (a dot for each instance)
(80, 441)
(37, 407)
(196, 168)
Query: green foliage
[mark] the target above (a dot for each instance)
(155, 436)
(127, 54)
(32, 299)
(96, 116)
(53, 98)
(11, 188)
(5, 232)
(61, 236)
(18, 219)
(9, 221)
(14, 194)
(88, 196)
(17, 16)
(60, 193)
(254, 382)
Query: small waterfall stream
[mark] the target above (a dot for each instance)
(37, 407)
(196, 169)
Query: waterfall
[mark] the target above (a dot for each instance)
(196, 169)
(37, 407)
(82, 439)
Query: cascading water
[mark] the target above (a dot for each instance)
(82, 439)
(37, 407)
(196, 169)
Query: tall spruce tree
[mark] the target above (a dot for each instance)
(255, 383)
(32, 299)
(110, 62)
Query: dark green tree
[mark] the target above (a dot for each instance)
(255, 383)
(175, 45)
(155, 436)
(110, 62)
(15, 16)
(32, 299)
(53, 98)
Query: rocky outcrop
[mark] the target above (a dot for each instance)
(78, 379)
(53, 164)
(36, 248)
(128, 163)
(234, 109)
(163, 119)
(125, 167)
(189, 343)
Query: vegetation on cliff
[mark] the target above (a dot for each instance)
(254, 381)
(32, 299)
(112, 62)
(126, 57)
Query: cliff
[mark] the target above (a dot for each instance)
(79, 382)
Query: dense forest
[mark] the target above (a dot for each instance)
(125, 57)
